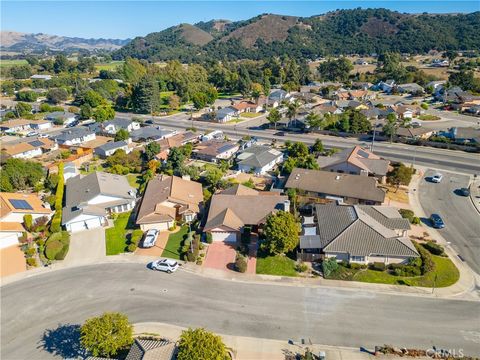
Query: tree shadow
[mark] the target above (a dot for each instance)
(63, 341)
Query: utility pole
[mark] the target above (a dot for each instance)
(374, 132)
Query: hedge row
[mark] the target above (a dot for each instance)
(57, 245)
(427, 261)
(56, 224)
(434, 248)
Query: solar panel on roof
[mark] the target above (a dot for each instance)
(20, 204)
(36, 143)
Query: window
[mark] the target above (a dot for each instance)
(357, 258)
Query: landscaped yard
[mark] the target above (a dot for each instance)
(445, 271)
(280, 265)
(393, 194)
(174, 244)
(118, 237)
(250, 115)
(428, 117)
(108, 66)
(133, 180)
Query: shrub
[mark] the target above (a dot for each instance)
(209, 238)
(241, 263)
(202, 255)
(199, 262)
(56, 224)
(301, 267)
(410, 215)
(40, 242)
(424, 106)
(377, 266)
(427, 261)
(62, 253)
(191, 257)
(355, 266)
(329, 266)
(28, 221)
(57, 245)
(433, 248)
(132, 247)
(32, 262)
(30, 252)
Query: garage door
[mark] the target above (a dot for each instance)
(224, 236)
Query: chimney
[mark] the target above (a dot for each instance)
(286, 206)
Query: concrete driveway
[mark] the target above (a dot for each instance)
(156, 250)
(12, 261)
(86, 247)
(220, 256)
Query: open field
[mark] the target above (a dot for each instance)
(8, 63)
(108, 66)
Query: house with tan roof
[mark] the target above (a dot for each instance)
(168, 199)
(326, 186)
(357, 234)
(356, 161)
(13, 208)
(236, 207)
(216, 150)
(15, 125)
(247, 106)
(30, 148)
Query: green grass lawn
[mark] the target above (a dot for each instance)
(174, 244)
(280, 265)
(428, 117)
(116, 237)
(446, 272)
(9, 63)
(224, 95)
(134, 180)
(250, 115)
(108, 66)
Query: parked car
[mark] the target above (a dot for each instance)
(166, 265)
(150, 238)
(437, 221)
(280, 133)
(463, 192)
(437, 178)
(415, 124)
(32, 133)
(43, 136)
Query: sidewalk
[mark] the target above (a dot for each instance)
(475, 193)
(248, 348)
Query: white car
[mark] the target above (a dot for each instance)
(166, 265)
(437, 178)
(150, 238)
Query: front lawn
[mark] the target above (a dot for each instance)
(428, 117)
(445, 271)
(117, 237)
(280, 265)
(173, 249)
(250, 115)
(134, 180)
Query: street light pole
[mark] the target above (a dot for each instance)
(374, 132)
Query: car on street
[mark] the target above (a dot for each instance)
(43, 136)
(32, 133)
(150, 238)
(280, 133)
(437, 221)
(165, 265)
(437, 178)
(463, 192)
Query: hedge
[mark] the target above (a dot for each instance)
(57, 245)
(433, 248)
(241, 263)
(410, 215)
(377, 266)
(56, 224)
(427, 262)
(28, 221)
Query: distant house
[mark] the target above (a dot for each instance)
(234, 208)
(386, 86)
(326, 108)
(277, 96)
(410, 88)
(30, 148)
(407, 111)
(41, 77)
(113, 126)
(326, 186)
(216, 150)
(89, 199)
(41, 125)
(359, 234)
(74, 136)
(258, 159)
(16, 125)
(13, 208)
(247, 106)
(414, 133)
(69, 170)
(151, 133)
(465, 135)
(65, 117)
(356, 161)
(168, 199)
(437, 86)
(225, 115)
(105, 150)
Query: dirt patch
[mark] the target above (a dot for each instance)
(393, 194)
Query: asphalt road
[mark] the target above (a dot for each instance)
(33, 306)
(456, 161)
(462, 221)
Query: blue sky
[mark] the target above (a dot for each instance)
(124, 19)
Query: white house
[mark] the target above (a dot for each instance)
(29, 149)
(258, 159)
(109, 148)
(41, 125)
(75, 136)
(225, 115)
(386, 86)
(113, 126)
(91, 198)
(66, 117)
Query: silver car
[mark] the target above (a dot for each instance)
(437, 178)
(150, 238)
(165, 265)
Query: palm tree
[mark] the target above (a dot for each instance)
(292, 111)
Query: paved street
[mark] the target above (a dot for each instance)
(324, 315)
(462, 221)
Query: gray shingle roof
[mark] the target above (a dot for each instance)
(119, 123)
(113, 145)
(258, 156)
(73, 133)
(151, 350)
(310, 242)
(149, 132)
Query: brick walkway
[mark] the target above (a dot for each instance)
(220, 256)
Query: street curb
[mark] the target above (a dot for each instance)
(474, 203)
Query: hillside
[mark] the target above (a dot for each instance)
(358, 31)
(21, 42)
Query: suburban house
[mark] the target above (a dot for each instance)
(69, 170)
(74, 136)
(247, 106)
(215, 150)
(13, 207)
(29, 149)
(89, 199)
(112, 126)
(258, 159)
(16, 125)
(225, 114)
(151, 133)
(386, 86)
(277, 96)
(175, 141)
(40, 125)
(360, 234)
(41, 77)
(168, 199)
(437, 86)
(410, 88)
(464, 135)
(407, 111)
(414, 133)
(326, 186)
(327, 108)
(356, 161)
(65, 117)
(105, 150)
(234, 208)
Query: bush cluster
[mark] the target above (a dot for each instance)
(427, 261)
(377, 266)
(191, 247)
(28, 221)
(405, 270)
(209, 238)
(329, 266)
(434, 248)
(240, 263)
(56, 224)
(301, 267)
(410, 215)
(57, 245)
